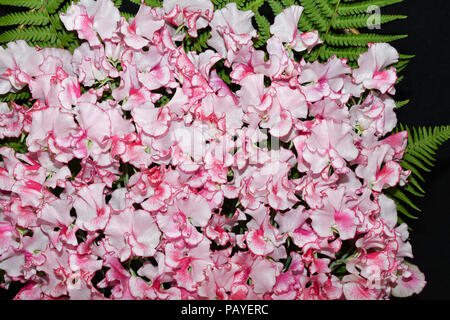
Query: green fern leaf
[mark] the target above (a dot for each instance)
(402, 103)
(224, 75)
(151, 3)
(23, 95)
(44, 35)
(219, 4)
(276, 6)
(162, 101)
(362, 7)
(401, 208)
(53, 5)
(288, 3)
(350, 53)
(117, 3)
(399, 195)
(423, 143)
(306, 24)
(241, 3)
(361, 21)
(320, 22)
(327, 9)
(37, 18)
(403, 62)
(414, 183)
(30, 4)
(406, 165)
(252, 5)
(263, 30)
(360, 40)
(409, 188)
(197, 44)
(40, 27)
(127, 15)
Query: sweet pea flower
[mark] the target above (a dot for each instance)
(323, 80)
(92, 65)
(285, 28)
(375, 174)
(133, 234)
(188, 264)
(330, 143)
(334, 214)
(92, 212)
(412, 281)
(195, 14)
(92, 19)
(142, 27)
(375, 112)
(231, 29)
(12, 66)
(11, 120)
(373, 64)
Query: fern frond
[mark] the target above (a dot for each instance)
(306, 24)
(402, 62)
(263, 30)
(319, 21)
(326, 8)
(401, 208)
(39, 26)
(406, 56)
(117, 3)
(31, 35)
(151, 3)
(224, 75)
(37, 18)
(219, 4)
(23, 95)
(30, 4)
(352, 8)
(276, 6)
(197, 44)
(154, 3)
(15, 144)
(350, 53)
(240, 3)
(252, 5)
(423, 143)
(162, 101)
(127, 15)
(402, 103)
(288, 3)
(401, 196)
(53, 5)
(360, 40)
(361, 21)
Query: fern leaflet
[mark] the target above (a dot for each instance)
(423, 143)
(39, 24)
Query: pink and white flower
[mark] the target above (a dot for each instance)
(149, 172)
(92, 19)
(92, 211)
(194, 14)
(373, 64)
(231, 30)
(285, 28)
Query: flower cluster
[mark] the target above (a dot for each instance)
(147, 176)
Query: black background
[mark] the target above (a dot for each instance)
(427, 85)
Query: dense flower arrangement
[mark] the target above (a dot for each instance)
(268, 188)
